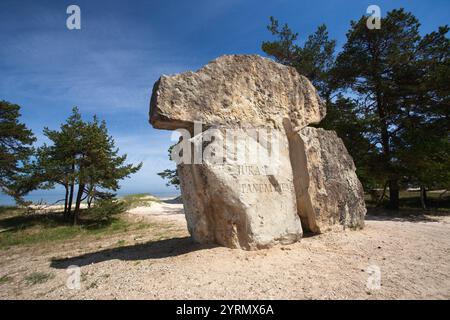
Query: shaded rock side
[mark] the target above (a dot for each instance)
(236, 90)
(249, 206)
(328, 192)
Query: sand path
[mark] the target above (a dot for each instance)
(412, 256)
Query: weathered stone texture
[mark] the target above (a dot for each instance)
(311, 184)
(248, 206)
(329, 193)
(236, 90)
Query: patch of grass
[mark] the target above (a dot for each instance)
(38, 277)
(33, 229)
(17, 220)
(5, 279)
(36, 235)
(143, 225)
(410, 200)
(17, 228)
(93, 285)
(9, 210)
(139, 200)
(140, 196)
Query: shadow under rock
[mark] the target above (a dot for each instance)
(150, 250)
(404, 215)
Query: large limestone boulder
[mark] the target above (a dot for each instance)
(329, 194)
(248, 205)
(236, 90)
(311, 184)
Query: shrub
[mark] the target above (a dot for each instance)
(38, 277)
(105, 209)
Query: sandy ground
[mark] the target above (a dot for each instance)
(162, 211)
(413, 257)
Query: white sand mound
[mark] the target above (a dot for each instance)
(164, 210)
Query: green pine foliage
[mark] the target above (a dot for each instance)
(15, 151)
(171, 175)
(387, 97)
(83, 158)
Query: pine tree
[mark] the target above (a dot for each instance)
(171, 175)
(350, 127)
(56, 163)
(316, 60)
(371, 64)
(423, 139)
(15, 151)
(100, 165)
(83, 158)
(387, 97)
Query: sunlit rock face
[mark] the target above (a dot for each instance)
(255, 173)
(236, 90)
(248, 205)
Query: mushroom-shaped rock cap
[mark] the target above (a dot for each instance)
(236, 91)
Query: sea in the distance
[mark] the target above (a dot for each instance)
(52, 196)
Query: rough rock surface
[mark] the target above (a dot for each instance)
(329, 193)
(248, 206)
(236, 90)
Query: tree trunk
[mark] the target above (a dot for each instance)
(394, 190)
(423, 197)
(69, 209)
(90, 197)
(386, 149)
(393, 194)
(90, 201)
(382, 195)
(77, 204)
(66, 200)
(72, 186)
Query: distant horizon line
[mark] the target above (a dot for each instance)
(53, 196)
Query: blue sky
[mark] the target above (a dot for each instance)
(109, 66)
